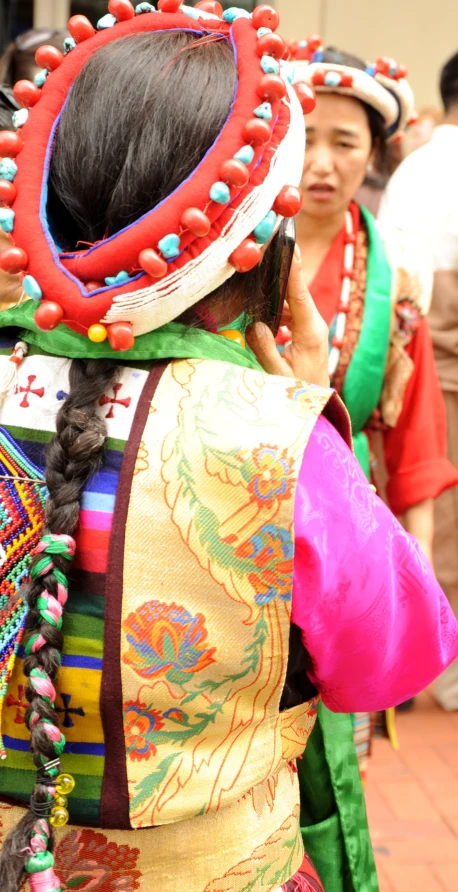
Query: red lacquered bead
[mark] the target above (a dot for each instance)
(265, 17)
(314, 42)
(8, 192)
(120, 336)
(271, 45)
(48, 57)
(257, 132)
(11, 143)
(289, 202)
(13, 260)
(246, 256)
(122, 10)
(234, 173)
(210, 6)
(169, 5)
(48, 316)
(80, 28)
(154, 265)
(196, 221)
(94, 285)
(26, 93)
(271, 88)
(306, 96)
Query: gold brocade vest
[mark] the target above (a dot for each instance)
(196, 641)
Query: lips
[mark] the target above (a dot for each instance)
(321, 188)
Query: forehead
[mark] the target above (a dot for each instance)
(336, 112)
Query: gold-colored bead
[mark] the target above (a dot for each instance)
(58, 817)
(61, 801)
(65, 784)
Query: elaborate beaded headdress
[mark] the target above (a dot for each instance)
(214, 223)
(383, 85)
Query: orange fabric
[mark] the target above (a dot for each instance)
(327, 285)
(415, 450)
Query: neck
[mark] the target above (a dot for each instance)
(451, 116)
(319, 230)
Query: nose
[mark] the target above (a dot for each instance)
(320, 160)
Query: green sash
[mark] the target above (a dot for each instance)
(364, 379)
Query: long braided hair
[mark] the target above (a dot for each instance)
(133, 128)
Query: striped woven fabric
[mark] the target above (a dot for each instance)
(29, 417)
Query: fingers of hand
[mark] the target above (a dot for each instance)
(262, 343)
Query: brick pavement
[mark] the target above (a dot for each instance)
(412, 802)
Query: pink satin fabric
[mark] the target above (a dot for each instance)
(373, 617)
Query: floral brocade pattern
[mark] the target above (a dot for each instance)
(87, 862)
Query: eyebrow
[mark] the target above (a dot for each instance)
(340, 131)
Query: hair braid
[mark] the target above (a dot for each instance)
(73, 456)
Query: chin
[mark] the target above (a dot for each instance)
(319, 209)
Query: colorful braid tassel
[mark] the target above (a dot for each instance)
(40, 865)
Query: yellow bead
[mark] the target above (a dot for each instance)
(61, 801)
(97, 333)
(58, 817)
(65, 783)
(233, 335)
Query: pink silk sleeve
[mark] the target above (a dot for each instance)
(374, 620)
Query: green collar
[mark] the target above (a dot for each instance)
(172, 341)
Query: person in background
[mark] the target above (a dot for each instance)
(422, 129)
(372, 289)
(422, 201)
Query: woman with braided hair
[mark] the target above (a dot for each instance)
(176, 521)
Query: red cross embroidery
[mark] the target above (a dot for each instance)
(20, 702)
(104, 400)
(29, 389)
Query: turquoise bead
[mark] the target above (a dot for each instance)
(20, 117)
(8, 169)
(190, 11)
(220, 193)
(332, 79)
(265, 229)
(40, 78)
(371, 70)
(118, 279)
(69, 44)
(263, 31)
(32, 288)
(288, 71)
(264, 111)
(169, 246)
(233, 13)
(144, 7)
(6, 219)
(107, 21)
(302, 44)
(245, 154)
(270, 65)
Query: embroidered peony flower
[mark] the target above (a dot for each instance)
(272, 479)
(139, 723)
(271, 551)
(87, 861)
(166, 640)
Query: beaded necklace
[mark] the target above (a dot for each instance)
(337, 332)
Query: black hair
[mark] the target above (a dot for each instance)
(449, 83)
(374, 118)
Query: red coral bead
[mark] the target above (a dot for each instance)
(265, 17)
(306, 97)
(209, 6)
(271, 45)
(154, 265)
(401, 72)
(122, 10)
(94, 285)
(48, 57)
(337, 342)
(13, 260)
(271, 88)
(48, 316)
(11, 143)
(169, 5)
(383, 64)
(26, 93)
(80, 28)
(8, 192)
(196, 221)
(234, 173)
(257, 132)
(246, 256)
(289, 202)
(120, 336)
(314, 42)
